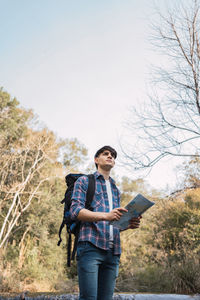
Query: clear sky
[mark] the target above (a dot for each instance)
(80, 65)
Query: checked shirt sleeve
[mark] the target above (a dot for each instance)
(79, 196)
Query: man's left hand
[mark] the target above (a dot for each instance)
(134, 223)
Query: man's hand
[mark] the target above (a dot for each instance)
(115, 214)
(134, 223)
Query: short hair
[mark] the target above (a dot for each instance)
(101, 150)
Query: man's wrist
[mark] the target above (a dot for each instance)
(103, 217)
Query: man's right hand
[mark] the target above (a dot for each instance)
(86, 215)
(115, 214)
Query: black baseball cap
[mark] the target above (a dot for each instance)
(101, 150)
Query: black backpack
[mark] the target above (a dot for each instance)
(73, 227)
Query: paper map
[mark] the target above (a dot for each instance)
(135, 207)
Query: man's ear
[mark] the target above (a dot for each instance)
(96, 160)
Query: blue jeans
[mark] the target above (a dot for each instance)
(97, 272)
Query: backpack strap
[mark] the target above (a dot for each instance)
(69, 244)
(59, 234)
(75, 242)
(88, 202)
(90, 191)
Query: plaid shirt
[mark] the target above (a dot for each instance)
(96, 232)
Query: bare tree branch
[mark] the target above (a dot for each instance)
(22, 178)
(169, 122)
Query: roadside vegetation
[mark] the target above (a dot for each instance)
(161, 256)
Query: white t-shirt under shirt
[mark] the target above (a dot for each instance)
(110, 200)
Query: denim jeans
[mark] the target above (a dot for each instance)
(97, 272)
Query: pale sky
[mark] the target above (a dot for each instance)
(80, 65)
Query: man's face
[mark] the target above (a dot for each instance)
(105, 160)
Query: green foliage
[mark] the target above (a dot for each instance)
(32, 184)
(166, 246)
(33, 164)
(74, 154)
(191, 172)
(13, 119)
(134, 259)
(178, 227)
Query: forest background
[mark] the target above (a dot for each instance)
(34, 162)
(33, 165)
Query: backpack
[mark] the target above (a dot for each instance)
(73, 226)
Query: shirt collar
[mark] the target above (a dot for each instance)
(98, 175)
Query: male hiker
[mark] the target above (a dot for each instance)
(98, 250)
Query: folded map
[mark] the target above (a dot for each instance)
(136, 208)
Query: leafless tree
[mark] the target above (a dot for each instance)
(23, 172)
(169, 123)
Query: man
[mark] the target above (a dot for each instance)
(98, 250)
